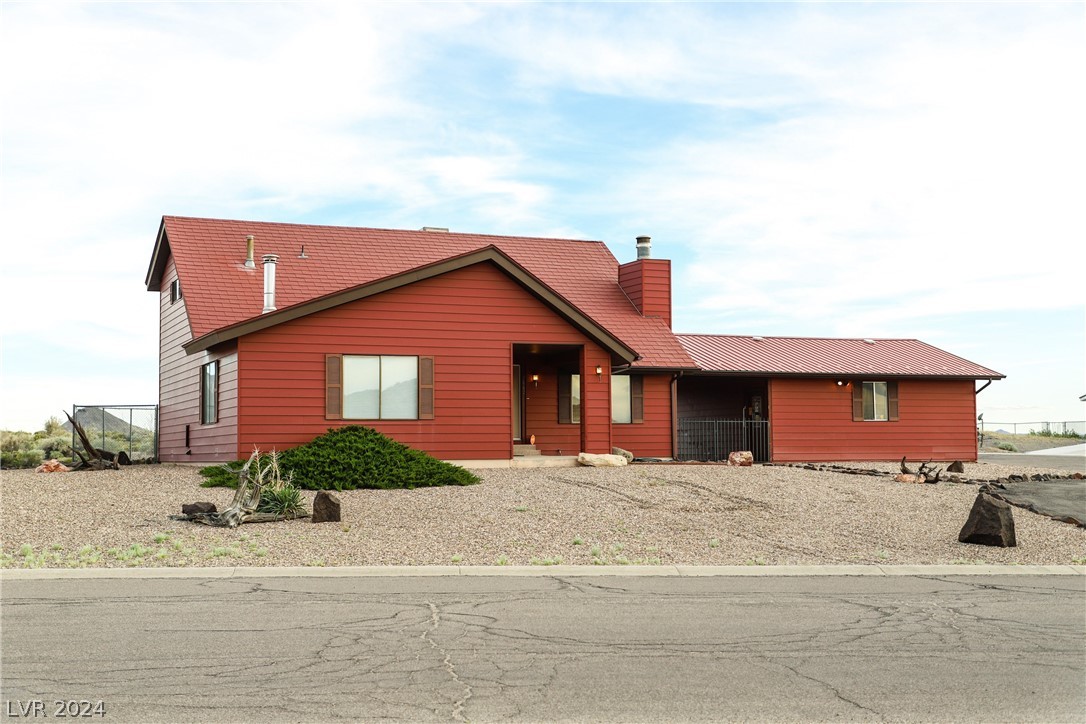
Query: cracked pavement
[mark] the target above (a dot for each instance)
(907, 648)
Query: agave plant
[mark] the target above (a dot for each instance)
(277, 495)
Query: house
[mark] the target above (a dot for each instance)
(475, 347)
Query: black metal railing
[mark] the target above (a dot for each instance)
(714, 439)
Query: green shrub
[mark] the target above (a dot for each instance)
(57, 446)
(20, 459)
(14, 441)
(351, 458)
(1009, 447)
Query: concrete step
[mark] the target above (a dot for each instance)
(525, 450)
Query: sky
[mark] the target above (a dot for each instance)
(811, 169)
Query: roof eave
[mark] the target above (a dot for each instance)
(155, 270)
(886, 375)
(533, 284)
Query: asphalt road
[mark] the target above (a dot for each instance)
(1071, 463)
(966, 648)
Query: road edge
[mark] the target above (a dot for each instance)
(39, 574)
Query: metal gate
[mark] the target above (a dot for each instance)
(714, 439)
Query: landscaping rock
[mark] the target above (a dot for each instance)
(990, 523)
(744, 458)
(956, 467)
(326, 508)
(624, 453)
(197, 508)
(601, 461)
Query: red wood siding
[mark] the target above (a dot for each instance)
(467, 319)
(651, 438)
(647, 282)
(179, 389)
(596, 427)
(811, 420)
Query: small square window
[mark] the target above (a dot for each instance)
(175, 290)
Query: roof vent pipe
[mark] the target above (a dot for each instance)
(269, 282)
(644, 247)
(250, 245)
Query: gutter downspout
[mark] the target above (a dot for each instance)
(977, 392)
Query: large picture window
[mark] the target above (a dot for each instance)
(379, 387)
(209, 393)
(874, 401)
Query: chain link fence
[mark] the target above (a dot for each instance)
(113, 428)
(1065, 428)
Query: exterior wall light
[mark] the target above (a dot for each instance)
(599, 372)
(535, 380)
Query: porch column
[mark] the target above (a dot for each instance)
(595, 400)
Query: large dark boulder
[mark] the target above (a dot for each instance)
(990, 523)
(197, 508)
(326, 508)
(956, 467)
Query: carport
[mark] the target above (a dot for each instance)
(719, 414)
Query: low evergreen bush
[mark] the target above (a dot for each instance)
(352, 458)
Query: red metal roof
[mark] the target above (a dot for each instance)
(220, 292)
(820, 356)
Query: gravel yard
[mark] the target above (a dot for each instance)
(642, 514)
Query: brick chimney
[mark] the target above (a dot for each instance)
(647, 282)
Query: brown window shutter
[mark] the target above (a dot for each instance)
(333, 387)
(891, 400)
(637, 398)
(426, 388)
(857, 401)
(565, 399)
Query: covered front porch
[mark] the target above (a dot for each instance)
(719, 414)
(561, 400)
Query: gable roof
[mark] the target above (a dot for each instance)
(813, 356)
(224, 299)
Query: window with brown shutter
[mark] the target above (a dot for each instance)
(637, 399)
(426, 388)
(874, 401)
(333, 387)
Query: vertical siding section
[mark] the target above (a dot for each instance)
(596, 428)
(811, 420)
(647, 282)
(651, 438)
(466, 319)
(179, 388)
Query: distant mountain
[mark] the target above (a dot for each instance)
(96, 418)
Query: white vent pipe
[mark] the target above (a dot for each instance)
(269, 282)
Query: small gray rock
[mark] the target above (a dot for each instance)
(197, 508)
(326, 508)
(624, 453)
(956, 467)
(990, 523)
